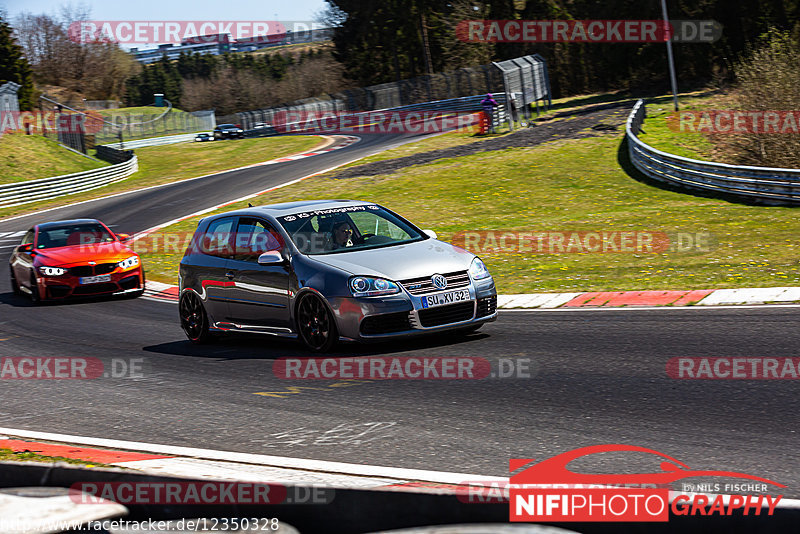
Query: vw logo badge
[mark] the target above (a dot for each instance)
(439, 281)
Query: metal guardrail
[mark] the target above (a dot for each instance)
(68, 184)
(770, 185)
(153, 141)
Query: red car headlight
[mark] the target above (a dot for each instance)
(52, 271)
(129, 263)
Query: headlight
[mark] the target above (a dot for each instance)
(133, 261)
(364, 286)
(478, 270)
(52, 271)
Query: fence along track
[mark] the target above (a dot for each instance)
(765, 184)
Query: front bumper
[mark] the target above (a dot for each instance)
(402, 315)
(63, 287)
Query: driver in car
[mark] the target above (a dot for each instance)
(342, 235)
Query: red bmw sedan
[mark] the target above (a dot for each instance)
(74, 258)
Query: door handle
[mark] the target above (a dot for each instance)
(230, 275)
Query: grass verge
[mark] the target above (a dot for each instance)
(663, 134)
(170, 163)
(135, 110)
(28, 157)
(568, 186)
(8, 455)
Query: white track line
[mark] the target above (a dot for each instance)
(259, 459)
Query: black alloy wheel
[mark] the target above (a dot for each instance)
(194, 319)
(316, 324)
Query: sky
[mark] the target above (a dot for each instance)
(161, 10)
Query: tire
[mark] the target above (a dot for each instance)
(315, 324)
(14, 285)
(36, 298)
(194, 320)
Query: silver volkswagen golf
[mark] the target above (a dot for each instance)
(327, 270)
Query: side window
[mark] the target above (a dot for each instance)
(218, 237)
(28, 237)
(253, 238)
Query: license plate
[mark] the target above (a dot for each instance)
(95, 279)
(441, 299)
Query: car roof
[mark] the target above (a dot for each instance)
(288, 208)
(54, 224)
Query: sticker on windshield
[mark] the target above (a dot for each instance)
(307, 214)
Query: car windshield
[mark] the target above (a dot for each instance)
(347, 229)
(73, 235)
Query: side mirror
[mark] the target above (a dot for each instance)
(430, 233)
(270, 258)
(26, 248)
(123, 237)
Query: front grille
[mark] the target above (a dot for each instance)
(487, 306)
(452, 313)
(104, 268)
(421, 286)
(94, 289)
(385, 323)
(92, 270)
(83, 270)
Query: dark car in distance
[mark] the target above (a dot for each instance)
(228, 131)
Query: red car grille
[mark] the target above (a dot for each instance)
(83, 270)
(104, 268)
(92, 270)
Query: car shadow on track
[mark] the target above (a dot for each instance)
(251, 346)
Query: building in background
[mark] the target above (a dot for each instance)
(221, 43)
(202, 44)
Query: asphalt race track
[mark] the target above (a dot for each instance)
(593, 377)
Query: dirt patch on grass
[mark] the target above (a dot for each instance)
(601, 122)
